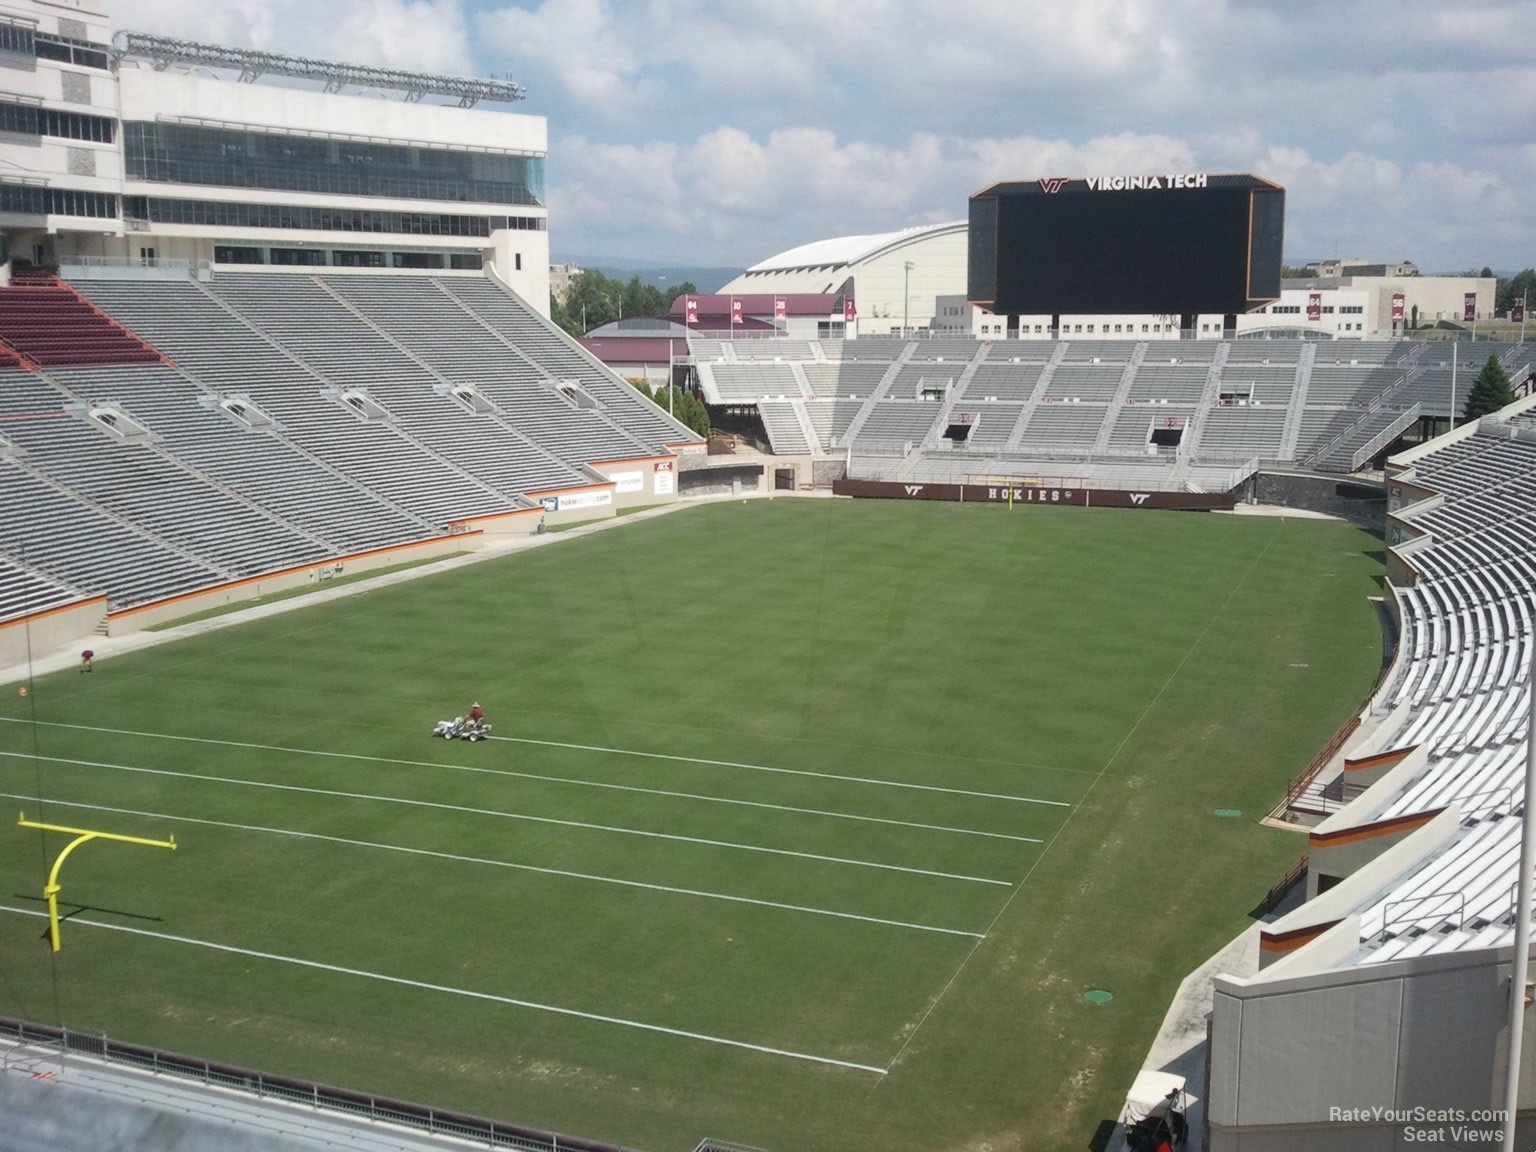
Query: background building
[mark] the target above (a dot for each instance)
(894, 278)
(136, 153)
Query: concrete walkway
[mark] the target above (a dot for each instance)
(1179, 1047)
(56, 1102)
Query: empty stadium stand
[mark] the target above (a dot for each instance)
(163, 436)
(48, 323)
(1325, 405)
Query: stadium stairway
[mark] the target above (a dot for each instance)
(953, 396)
(48, 323)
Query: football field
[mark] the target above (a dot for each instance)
(806, 825)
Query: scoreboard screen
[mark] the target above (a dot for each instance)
(1168, 244)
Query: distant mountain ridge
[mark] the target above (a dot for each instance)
(654, 272)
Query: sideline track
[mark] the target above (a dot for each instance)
(427, 852)
(509, 816)
(316, 965)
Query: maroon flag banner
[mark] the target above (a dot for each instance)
(691, 309)
(1517, 310)
(1397, 308)
(736, 315)
(780, 308)
(1315, 306)
(849, 311)
(1469, 307)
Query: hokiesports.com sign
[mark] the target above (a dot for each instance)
(1036, 494)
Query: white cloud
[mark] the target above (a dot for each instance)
(421, 34)
(732, 130)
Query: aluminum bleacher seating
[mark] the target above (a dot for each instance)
(255, 462)
(898, 420)
(783, 427)
(1085, 381)
(557, 356)
(831, 418)
(228, 356)
(991, 424)
(1003, 381)
(847, 378)
(1242, 430)
(1058, 425)
(747, 383)
(442, 335)
(131, 479)
(24, 591)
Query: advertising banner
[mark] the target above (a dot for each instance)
(662, 478)
(628, 481)
(565, 501)
(1036, 494)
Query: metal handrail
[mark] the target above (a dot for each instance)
(375, 1109)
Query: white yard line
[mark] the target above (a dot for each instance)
(514, 816)
(543, 778)
(493, 863)
(786, 771)
(315, 965)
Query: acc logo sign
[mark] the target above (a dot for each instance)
(913, 489)
(1053, 184)
(1138, 498)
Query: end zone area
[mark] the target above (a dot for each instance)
(805, 822)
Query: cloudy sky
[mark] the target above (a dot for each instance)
(720, 133)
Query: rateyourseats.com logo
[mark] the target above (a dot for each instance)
(1445, 1127)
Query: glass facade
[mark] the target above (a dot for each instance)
(344, 257)
(222, 214)
(32, 201)
(231, 158)
(30, 120)
(16, 39)
(67, 50)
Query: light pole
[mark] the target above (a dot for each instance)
(906, 298)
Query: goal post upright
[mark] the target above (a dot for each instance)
(81, 836)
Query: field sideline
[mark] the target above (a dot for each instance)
(808, 823)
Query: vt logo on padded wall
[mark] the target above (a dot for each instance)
(1050, 184)
(1138, 498)
(914, 489)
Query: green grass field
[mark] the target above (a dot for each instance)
(812, 823)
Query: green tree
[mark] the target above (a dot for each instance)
(1512, 288)
(1304, 272)
(1490, 391)
(687, 408)
(595, 299)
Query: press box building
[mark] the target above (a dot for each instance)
(148, 150)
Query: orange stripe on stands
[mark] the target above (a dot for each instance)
(72, 606)
(1373, 830)
(495, 516)
(575, 488)
(1294, 939)
(228, 585)
(632, 460)
(1378, 759)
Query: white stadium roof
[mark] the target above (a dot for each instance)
(841, 251)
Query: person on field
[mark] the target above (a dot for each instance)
(476, 713)
(87, 661)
